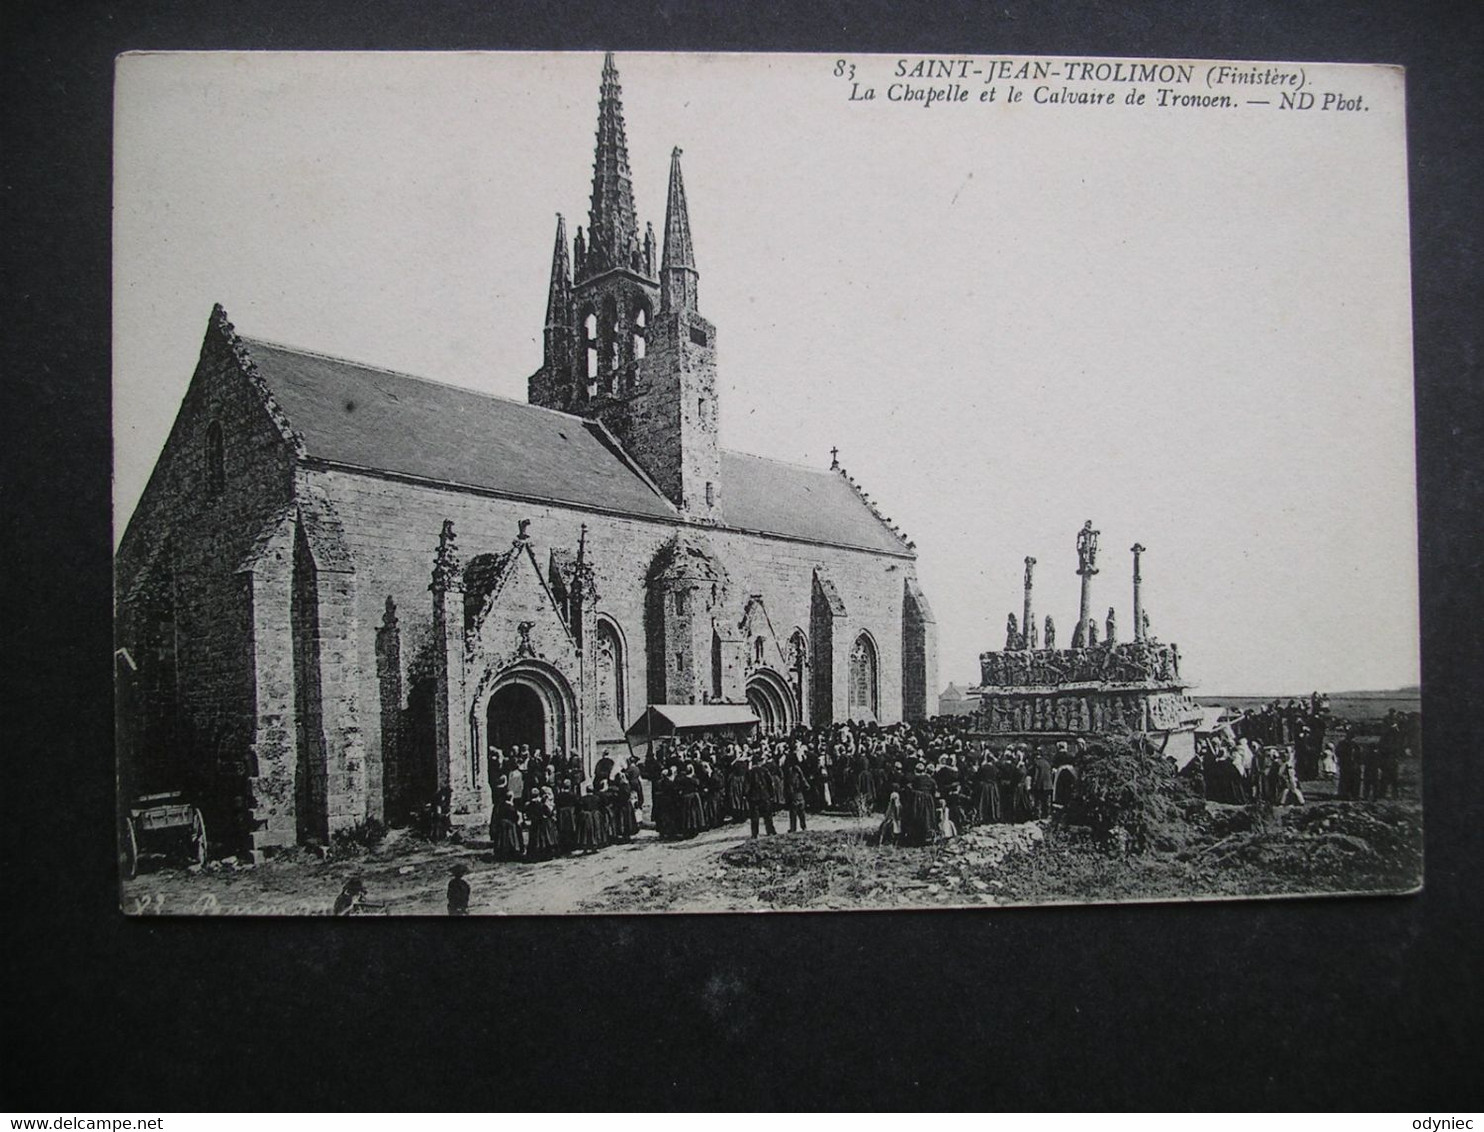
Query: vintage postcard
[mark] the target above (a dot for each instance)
(568, 483)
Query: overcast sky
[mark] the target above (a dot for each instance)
(1192, 327)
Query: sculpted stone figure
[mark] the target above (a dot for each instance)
(1012, 633)
(1049, 640)
(1112, 637)
(1092, 633)
(1087, 549)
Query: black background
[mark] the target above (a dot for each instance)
(1341, 1003)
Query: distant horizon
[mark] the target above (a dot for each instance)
(1196, 693)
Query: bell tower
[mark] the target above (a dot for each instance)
(602, 300)
(624, 340)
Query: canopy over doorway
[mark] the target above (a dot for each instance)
(664, 723)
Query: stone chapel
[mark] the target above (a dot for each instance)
(343, 585)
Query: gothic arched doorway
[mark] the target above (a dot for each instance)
(527, 704)
(772, 701)
(515, 717)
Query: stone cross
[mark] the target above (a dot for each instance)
(1029, 619)
(1087, 566)
(1139, 619)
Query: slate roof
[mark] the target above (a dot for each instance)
(391, 422)
(371, 418)
(759, 494)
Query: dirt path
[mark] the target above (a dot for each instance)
(565, 884)
(412, 878)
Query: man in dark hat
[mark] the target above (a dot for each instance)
(1043, 782)
(351, 897)
(603, 770)
(458, 890)
(760, 794)
(795, 792)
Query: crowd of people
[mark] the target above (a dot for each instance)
(544, 807)
(1237, 771)
(1265, 754)
(1302, 725)
(927, 780)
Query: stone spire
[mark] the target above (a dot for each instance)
(678, 276)
(613, 229)
(559, 297)
(447, 568)
(558, 338)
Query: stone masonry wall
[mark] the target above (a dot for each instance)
(391, 528)
(207, 536)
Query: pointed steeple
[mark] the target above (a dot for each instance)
(559, 297)
(558, 336)
(613, 229)
(678, 276)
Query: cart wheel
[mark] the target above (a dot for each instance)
(198, 837)
(130, 850)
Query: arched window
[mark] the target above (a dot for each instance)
(798, 666)
(612, 684)
(216, 459)
(639, 335)
(609, 332)
(863, 699)
(590, 344)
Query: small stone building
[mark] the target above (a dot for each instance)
(343, 586)
(953, 700)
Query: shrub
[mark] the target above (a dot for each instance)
(1128, 796)
(362, 835)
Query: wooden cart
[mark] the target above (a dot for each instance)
(163, 825)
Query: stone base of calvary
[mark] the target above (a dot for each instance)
(1033, 690)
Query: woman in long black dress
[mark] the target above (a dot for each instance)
(621, 809)
(1025, 806)
(710, 784)
(542, 839)
(736, 793)
(590, 823)
(505, 826)
(920, 808)
(566, 817)
(987, 790)
(692, 811)
(666, 804)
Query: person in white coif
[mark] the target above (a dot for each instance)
(1288, 786)
(1245, 758)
